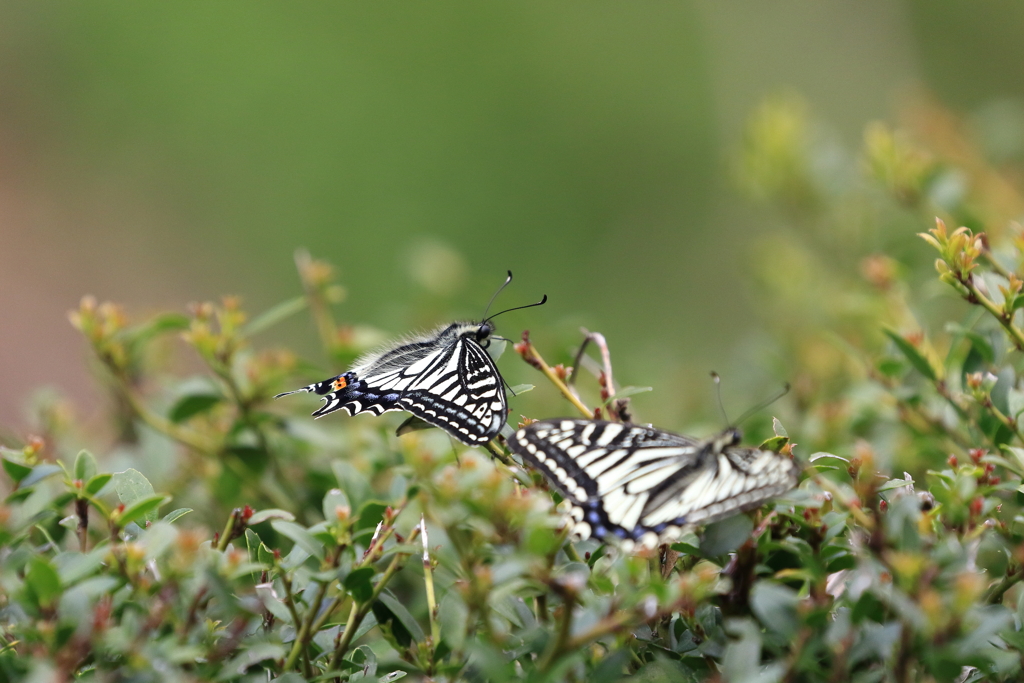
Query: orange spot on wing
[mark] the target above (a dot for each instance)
(340, 384)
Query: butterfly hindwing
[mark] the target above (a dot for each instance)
(642, 483)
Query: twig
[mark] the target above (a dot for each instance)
(530, 355)
(360, 610)
(428, 578)
(82, 509)
(1004, 317)
(608, 387)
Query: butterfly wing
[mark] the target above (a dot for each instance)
(642, 483)
(460, 392)
(376, 382)
(446, 380)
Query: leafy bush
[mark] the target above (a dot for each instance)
(347, 552)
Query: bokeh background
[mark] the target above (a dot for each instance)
(157, 154)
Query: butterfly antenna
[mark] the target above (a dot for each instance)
(509, 310)
(716, 378)
(495, 295)
(764, 404)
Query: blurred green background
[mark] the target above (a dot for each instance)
(155, 154)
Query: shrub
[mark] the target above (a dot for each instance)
(347, 552)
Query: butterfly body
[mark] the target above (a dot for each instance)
(644, 485)
(445, 377)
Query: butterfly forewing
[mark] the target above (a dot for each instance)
(461, 392)
(642, 483)
(446, 379)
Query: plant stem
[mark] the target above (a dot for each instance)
(82, 509)
(531, 356)
(559, 645)
(995, 593)
(360, 610)
(428, 579)
(1005, 319)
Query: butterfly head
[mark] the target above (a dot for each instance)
(479, 332)
(730, 437)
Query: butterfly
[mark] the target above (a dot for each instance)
(445, 378)
(643, 485)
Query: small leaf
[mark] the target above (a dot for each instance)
(775, 606)
(496, 348)
(626, 392)
(131, 486)
(85, 466)
(142, 510)
(42, 579)
(335, 499)
(400, 616)
(40, 472)
(270, 513)
(16, 470)
(300, 536)
(774, 444)
(274, 315)
(726, 535)
(978, 342)
(895, 484)
(192, 405)
(165, 322)
(778, 428)
(175, 515)
(359, 583)
(913, 355)
(96, 483)
(370, 514)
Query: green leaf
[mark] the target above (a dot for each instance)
(774, 444)
(165, 322)
(775, 606)
(40, 472)
(726, 535)
(335, 499)
(270, 513)
(912, 354)
(521, 389)
(399, 616)
(42, 579)
(978, 341)
(132, 486)
(16, 470)
(175, 515)
(85, 466)
(96, 483)
(778, 428)
(300, 536)
(274, 315)
(895, 484)
(626, 392)
(370, 514)
(360, 583)
(194, 404)
(142, 510)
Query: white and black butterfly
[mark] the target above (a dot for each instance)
(445, 378)
(644, 485)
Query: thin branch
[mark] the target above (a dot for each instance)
(530, 355)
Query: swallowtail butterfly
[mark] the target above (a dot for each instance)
(444, 377)
(643, 485)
